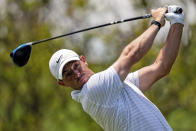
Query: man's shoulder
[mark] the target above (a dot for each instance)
(101, 76)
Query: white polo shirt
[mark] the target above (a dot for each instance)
(117, 105)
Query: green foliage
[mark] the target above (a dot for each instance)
(30, 98)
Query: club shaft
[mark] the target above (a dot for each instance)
(94, 27)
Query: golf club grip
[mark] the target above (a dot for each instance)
(94, 27)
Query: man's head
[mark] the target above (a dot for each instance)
(69, 69)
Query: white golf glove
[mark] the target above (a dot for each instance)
(172, 8)
(174, 17)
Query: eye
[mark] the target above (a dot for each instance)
(75, 66)
(68, 74)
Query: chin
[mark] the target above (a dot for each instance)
(81, 85)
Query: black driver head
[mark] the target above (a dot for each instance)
(21, 54)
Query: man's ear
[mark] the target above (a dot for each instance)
(60, 82)
(82, 58)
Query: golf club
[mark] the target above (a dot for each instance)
(22, 53)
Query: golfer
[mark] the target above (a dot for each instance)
(114, 97)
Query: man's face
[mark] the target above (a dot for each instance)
(76, 74)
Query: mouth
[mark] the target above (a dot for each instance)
(82, 79)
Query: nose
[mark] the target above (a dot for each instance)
(76, 74)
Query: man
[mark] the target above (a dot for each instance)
(113, 97)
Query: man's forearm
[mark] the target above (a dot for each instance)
(169, 52)
(140, 46)
(134, 51)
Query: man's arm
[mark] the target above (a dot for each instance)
(134, 51)
(163, 63)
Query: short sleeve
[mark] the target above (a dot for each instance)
(133, 78)
(103, 88)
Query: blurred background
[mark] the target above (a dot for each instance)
(31, 100)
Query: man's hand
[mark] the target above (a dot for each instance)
(173, 9)
(174, 17)
(159, 15)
